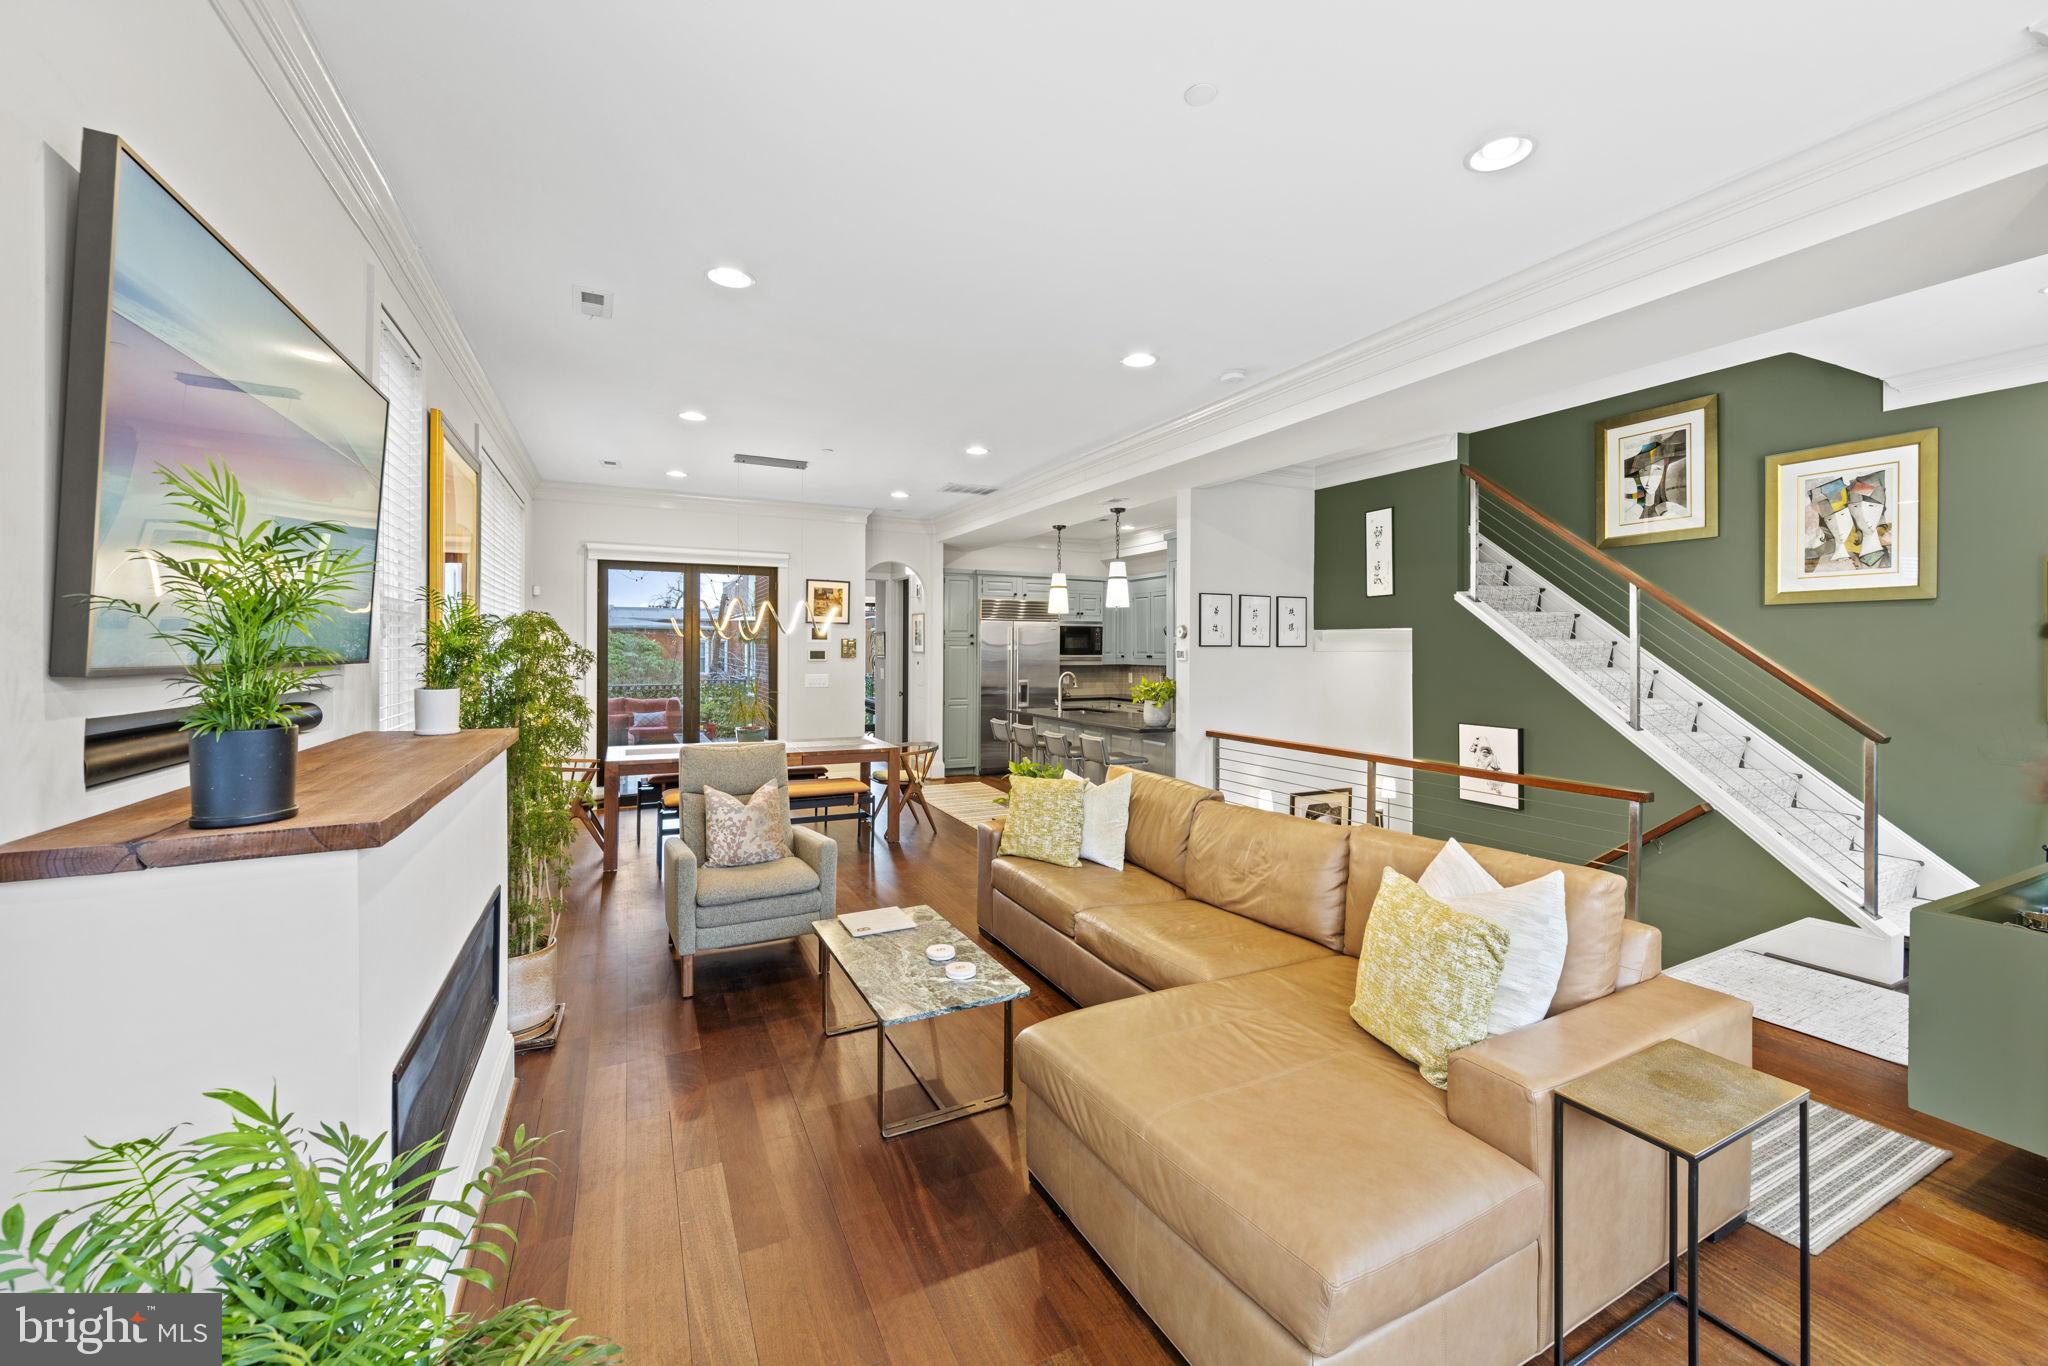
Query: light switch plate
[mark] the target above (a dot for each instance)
(817, 680)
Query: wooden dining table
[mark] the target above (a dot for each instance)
(638, 761)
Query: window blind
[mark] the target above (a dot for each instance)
(402, 530)
(501, 587)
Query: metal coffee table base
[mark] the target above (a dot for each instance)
(884, 1045)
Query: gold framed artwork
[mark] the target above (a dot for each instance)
(1853, 522)
(1659, 474)
(454, 512)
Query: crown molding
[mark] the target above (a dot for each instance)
(1349, 469)
(912, 526)
(1971, 134)
(599, 495)
(2005, 370)
(273, 37)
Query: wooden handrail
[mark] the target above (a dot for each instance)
(1620, 794)
(1693, 615)
(1685, 817)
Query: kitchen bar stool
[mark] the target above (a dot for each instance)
(1024, 742)
(1059, 749)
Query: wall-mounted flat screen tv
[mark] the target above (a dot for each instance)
(181, 355)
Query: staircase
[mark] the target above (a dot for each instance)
(1770, 752)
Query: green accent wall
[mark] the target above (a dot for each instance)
(1956, 680)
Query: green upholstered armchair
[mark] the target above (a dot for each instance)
(724, 908)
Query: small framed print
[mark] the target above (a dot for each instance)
(1214, 611)
(917, 633)
(1659, 474)
(1328, 806)
(1498, 748)
(1255, 619)
(849, 648)
(1290, 622)
(1854, 522)
(1379, 553)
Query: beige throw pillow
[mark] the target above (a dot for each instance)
(739, 833)
(1105, 819)
(1533, 915)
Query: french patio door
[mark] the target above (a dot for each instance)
(683, 645)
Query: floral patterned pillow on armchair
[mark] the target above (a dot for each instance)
(738, 833)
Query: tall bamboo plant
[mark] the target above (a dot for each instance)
(529, 674)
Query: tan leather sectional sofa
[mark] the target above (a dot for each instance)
(1270, 1182)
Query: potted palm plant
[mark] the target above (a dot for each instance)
(528, 673)
(321, 1251)
(752, 717)
(239, 603)
(455, 636)
(1154, 693)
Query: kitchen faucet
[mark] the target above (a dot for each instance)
(1059, 695)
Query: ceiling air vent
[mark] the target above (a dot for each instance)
(978, 490)
(773, 462)
(594, 303)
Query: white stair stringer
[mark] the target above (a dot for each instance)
(1803, 819)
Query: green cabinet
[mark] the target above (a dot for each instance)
(960, 676)
(1084, 600)
(962, 611)
(1143, 630)
(998, 585)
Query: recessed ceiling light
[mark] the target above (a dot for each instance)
(1500, 153)
(732, 277)
(690, 415)
(1231, 377)
(677, 474)
(1140, 360)
(898, 493)
(1199, 94)
(977, 450)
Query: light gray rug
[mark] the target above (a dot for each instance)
(1856, 1168)
(1842, 1010)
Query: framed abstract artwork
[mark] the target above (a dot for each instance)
(1255, 619)
(1659, 475)
(1498, 748)
(1379, 553)
(1214, 611)
(454, 512)
(1290, 622)
(1853, 522)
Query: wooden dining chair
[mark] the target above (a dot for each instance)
(918, 757)
(582, 777)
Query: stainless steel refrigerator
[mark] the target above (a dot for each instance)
(1020, 667)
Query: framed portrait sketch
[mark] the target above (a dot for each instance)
(1659, 474)
(1498, 748)
(917, 633)
(1853, 522)
(1379, 553)
(1328, 806)
(1213, 609)
(1290, 622)
(1254, 619)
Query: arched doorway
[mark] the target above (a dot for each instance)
(895, 673)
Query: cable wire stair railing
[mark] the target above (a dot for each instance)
(1787, 764)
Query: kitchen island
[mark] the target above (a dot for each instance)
(1121, 724)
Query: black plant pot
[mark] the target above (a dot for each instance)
(244, 777)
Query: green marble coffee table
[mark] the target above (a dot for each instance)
(901, 986)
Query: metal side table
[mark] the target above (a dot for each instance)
(1692, 1104)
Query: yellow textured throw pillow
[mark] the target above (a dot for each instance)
(1045, 820)
(1426, 976)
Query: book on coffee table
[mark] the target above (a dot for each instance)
(886, 920)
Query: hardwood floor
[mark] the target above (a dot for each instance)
(723, 1196)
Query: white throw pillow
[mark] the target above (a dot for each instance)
(1533, 915)
(1105, 820)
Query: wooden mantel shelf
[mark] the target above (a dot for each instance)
(358, 792)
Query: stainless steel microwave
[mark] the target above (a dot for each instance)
(1080, 644)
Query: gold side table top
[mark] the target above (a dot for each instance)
(1681, 1097)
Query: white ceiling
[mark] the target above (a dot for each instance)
(962, 216)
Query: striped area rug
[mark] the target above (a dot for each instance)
(968, 803)
(1856, 1168)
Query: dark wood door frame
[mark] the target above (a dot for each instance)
(689, 616)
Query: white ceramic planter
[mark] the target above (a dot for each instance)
(532, 996)
(436, 711)
(1155, 714)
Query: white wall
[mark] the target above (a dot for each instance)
(570, 528)
(166, 76)
(1351, 689)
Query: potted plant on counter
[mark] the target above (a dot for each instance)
(751, 717)
(528, 674)
(238, 604)
(454, 639)
(1155, 694)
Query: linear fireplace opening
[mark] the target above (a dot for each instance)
(433, 1075)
